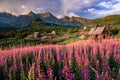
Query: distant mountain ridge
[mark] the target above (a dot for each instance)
(9, 20)
(78, 19)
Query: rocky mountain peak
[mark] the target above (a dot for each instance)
(66, 18)
(47, 14)
(31, 13)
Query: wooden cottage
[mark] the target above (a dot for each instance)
(85, 28)
(99, 33)
(53, 33)
(36, 34)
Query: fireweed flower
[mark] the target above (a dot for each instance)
(65, 70)
(86, 62)
(71, 76)
(38, 79)
(66, 73)
(41, 79)
(103, 76)
(117, 58)
(85, 74)
(50, 72)
(5, 71)
(105, 66)
(14, 68)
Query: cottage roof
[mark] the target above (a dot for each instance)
(97, 30)
(53, 32)
(36, 33)
(92, 31)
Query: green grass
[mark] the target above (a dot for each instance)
(73, 38)
(69, 41)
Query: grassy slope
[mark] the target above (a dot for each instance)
(112, 20)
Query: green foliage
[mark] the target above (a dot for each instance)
(36, 25)
(18, 36)
(111, 20)
(76, 69)
(2, 72)
(114, 66)
(31, 75)
(92, 74)
(118, 35)
(114, 31)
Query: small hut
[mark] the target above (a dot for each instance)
(36, 34)
(85, 28)
(53, 33)
(99, 33)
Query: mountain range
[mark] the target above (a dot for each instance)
(9, 20)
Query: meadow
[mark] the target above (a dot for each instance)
(84, 60)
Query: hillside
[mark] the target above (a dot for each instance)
(76, 20)
(82, 20)
(21, 35)
(36, 25)
(115, 19)
(112, 20)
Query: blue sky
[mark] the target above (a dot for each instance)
(83, 8)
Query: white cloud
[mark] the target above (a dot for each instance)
(91, 10)
(59, 16)
(105, 4)
(24, 6)
(60, 8)
(110, 8)
(15, 7)
(75, 5)
(72, 14)
(71, 7)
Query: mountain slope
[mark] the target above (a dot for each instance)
(67, 20)
(8, 20)
(35, 26)
(111, 20)
(82, 20)
(49, 18)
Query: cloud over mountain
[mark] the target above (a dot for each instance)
(84, 8)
